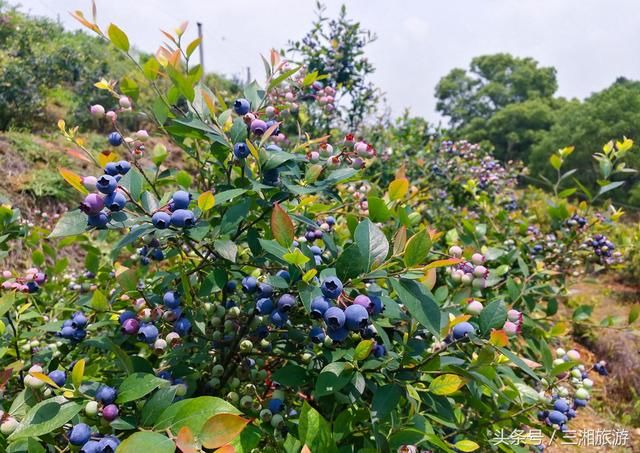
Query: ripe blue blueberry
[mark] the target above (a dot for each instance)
(182, 326)
(59, 377)
(271, 177)
(331, 287)
(182, 218)
(284, 274)
(180, 200)
(286, 302)
(105, 394)
(561, 405)
(241, 106)
(106, 184)
(130, 326)
(115, 201)
(123, 167)
(278, 318)
(331, 220)
(157, 254)
(171, 299)
(93, 446)
(317, 335)
(161, 220)
(108, 444)
(241, 150)
(334, 317)
(126, 315)
(78, 320)
(378, 306)
(258, 127)
(111, 169)
(92, 204)
(79, 434)
(114, 139)
(264, 290)
(98, 220)
(79, 334)
(379, 350)
(356, 316)
(579, 403)
(557, 418)
(319, 305)
(148, 333)
(365, 301)
(275, 405)
(249, 284)
(315, 249)
(339, 334)
(462, 329)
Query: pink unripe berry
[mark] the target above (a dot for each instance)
(510, 328)
(124, 102)
(97, 111)
(573, 354)
(474, 307)
(455, 251)
(514, 315)
(314, 156)
(480, 271)
(361, 148)
(142, 135)
(270, 111)
(112, 116)
(6, 274)
(89, 183)
(477, 259)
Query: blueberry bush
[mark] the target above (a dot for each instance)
(272, 290)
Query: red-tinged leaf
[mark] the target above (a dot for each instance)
(531, 363)
(5, 375)
(429, 278)
(222, 429)
(78, 155)
(282, 226)
(435, 235)
(226, 449)
(442, 263)
(499, 338)
(73, 179)
(186, 441)
(106, 156)
(305, 449)
(77, 15)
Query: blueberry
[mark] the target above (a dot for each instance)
(462, 329)
(284, 274)
(99, 220)
(59, 377)
(79, 334)
(278, 318)
(182, 218)
(111, 169)
(334, 317)
(579, 403)
(331, 220)
(161, 220)
(183, 326)
(339, 334)
(264, 290)
(557, 418)
(79, 319)
(271, 177)
(123, 167)
(241, 106)
(105, 394)
(379, 350)
(130, 326)
(356, 316)
(368, 332)
(286, 302)
(115, 201)
(258, 127)
(378, 306)
(148, 333)
(230, 286)
(79, 434)
(561, 405)
(249, 284)
(365, 301)
(67, 332)
(92, 204)
(315, 249)
(180, 200)
(114, 139)
(171, 299)
(317, 335)
(92, 446)
(106, 184)
(319, 306)
(241, 150)
(108, 444)
(157, 254)
(275, 405)
(331, 287)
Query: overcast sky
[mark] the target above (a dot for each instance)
(590, 42)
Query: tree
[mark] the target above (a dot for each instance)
(612, 112)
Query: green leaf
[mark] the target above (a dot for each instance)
(634, 313)
(132, 182)
(493, 316)
(446, 384)
(282, 226)
(417, 248)
(609, 187)
(290, 375)
(226, 248)
(6, 302)
(147, 441)
(297, 258)
(118, 37)
(193, 413)
(314, 431)
(129, 88)
(419, 302)
(70, 224)
(184, 179)
(157, 404)
(138, 385)
(363, 349)
(46, 417)
(99, 302)
(466, 445)
(385, 400)
(350, 263)
(372, 244)
(378, 211)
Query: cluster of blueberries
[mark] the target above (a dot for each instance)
(30, 283)
(179, 214)
(602, 247)
(74, 329)
(142, 324)
(105, 197)
(471, 272)
(151, 251)
(576, 221)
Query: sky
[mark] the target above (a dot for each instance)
(589, 42)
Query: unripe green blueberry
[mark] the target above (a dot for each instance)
(253, 374)
(255, 405)
(91, 409)
(208, 307)
(262, 375)
(8, 426)
(233, 397)
(33, 382)
(217, 370)
(234, 383)
(265, 415)
(181, 389)
(216, 322)
(306, 357)
(219, 310)
(233, 312)
(47, 392)
(228, 325)
(214, 382)
(260, 361)
(256, 322)
(246, 402)
(563, 391)
(560, 352)
(265, 344)
(576, 373)
(249, 388)
(414, 218)
(466, 279)
(557, 362)
(278, 394)
(573, 354)
(34, 344)
(478, 283)
(328, 341)
(588, 383)
(246, 346)
(277, 421)
(582, 394)
(216, 336)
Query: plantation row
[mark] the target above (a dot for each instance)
(274, 290)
